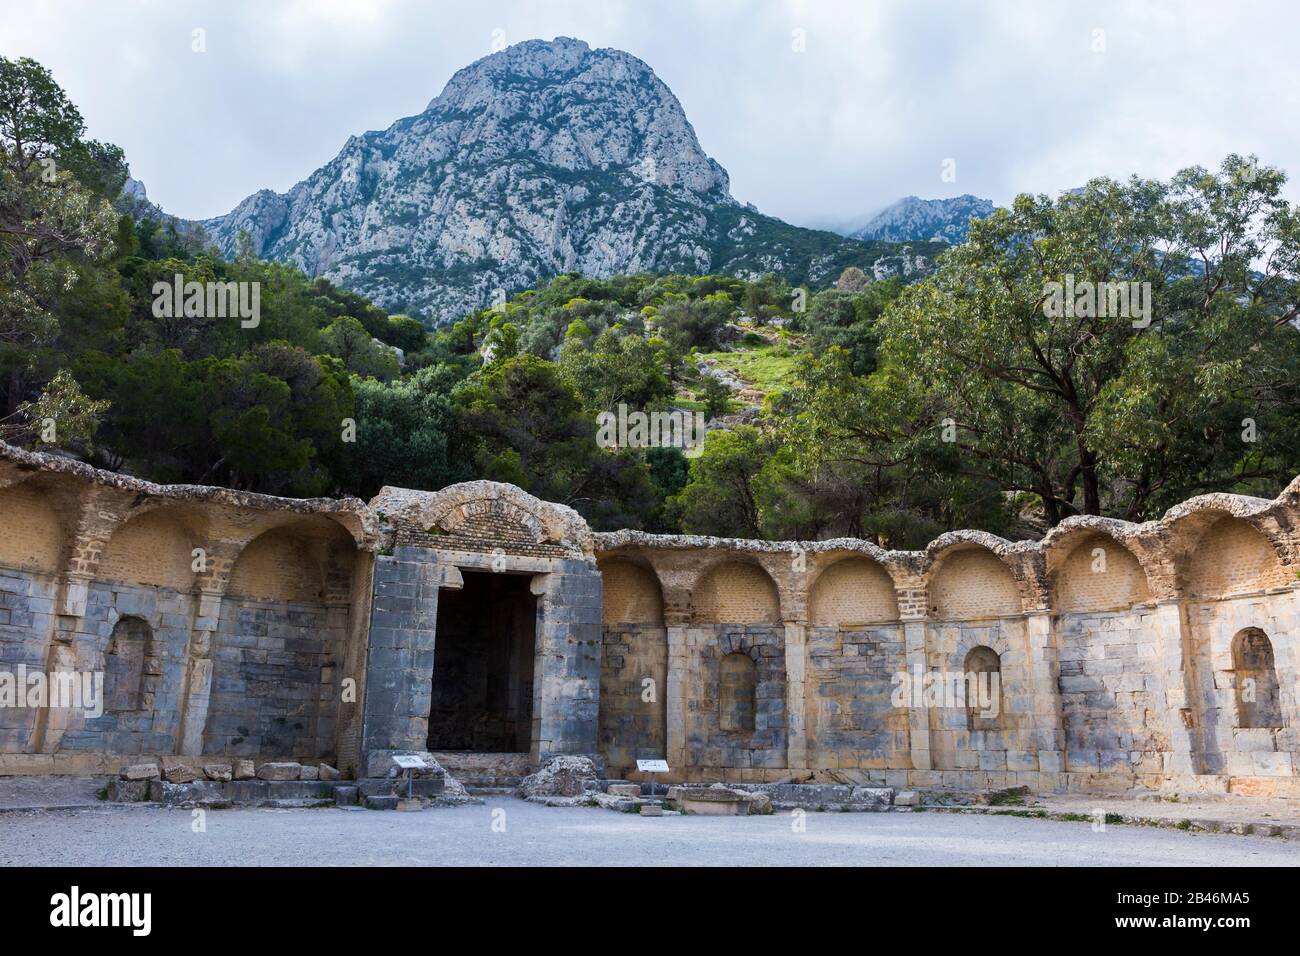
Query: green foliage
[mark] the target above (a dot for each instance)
(63, 416)
(687, 324)
(848, 320)
(614, 369)
(53, 222)
(1104, 414)
(403, 434)
(520, 421)
(892, 412)
(715, 396)
(729, 485)
(350, 341)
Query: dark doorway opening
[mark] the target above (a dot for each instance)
(483, 665)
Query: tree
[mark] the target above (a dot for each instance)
(51, 220)
(1093, 412)
(866, 462)
(726, 491)
(347, 339)
(693, 323)
(716, 397)
(851, 279)
(614, 369)
(520, 421)
(402, 431)
(850, 320)
(63, 417)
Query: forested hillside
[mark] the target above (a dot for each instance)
(880, 409)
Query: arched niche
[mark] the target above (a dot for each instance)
(737, 592)
(1099, 574)
(154, 550)
(32, 537)
(631, 593)
(853, 590)
(972, 583)
(1231, 557)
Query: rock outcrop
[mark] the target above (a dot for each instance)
(544, 158)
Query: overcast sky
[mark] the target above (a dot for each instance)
(1034, 96)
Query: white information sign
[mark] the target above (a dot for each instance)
(652, 766)
(409, 762)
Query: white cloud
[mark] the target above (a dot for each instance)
(1013, 91)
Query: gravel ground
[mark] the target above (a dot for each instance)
(536, 835)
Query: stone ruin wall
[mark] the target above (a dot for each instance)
(742, 660)
(1124, 652)
(235, 649)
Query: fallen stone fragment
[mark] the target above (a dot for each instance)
(244, 770)
(564, 776)
(141, 771)
(759, 804)
(218, 771)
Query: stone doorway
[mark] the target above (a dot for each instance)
(483, 665)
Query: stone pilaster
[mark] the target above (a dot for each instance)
(399, 663)
(198, 679)
(1178, 684)
(918, 718)
(675, 701)
(1043, 669)
(796, 663)
(566, 695)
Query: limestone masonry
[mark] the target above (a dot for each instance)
(479, 620)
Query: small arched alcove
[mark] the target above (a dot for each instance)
(982, 673)
(737, 693)
(1258, 699)
(127, 661)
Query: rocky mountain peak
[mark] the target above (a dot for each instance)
(545, 157)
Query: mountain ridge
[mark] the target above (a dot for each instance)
(912, 219)
(544, 158)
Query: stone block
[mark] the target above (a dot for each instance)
(141, 771)
(345, 796)
(907, 798)
(1272, 764)
(279, 770)
(710, 801)
(624, 789)
(178, 771)
(872, 798)
(382, 802)
(326, 772)
(243, 770)
(309, 772)
(128, 791)
(222, 772)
